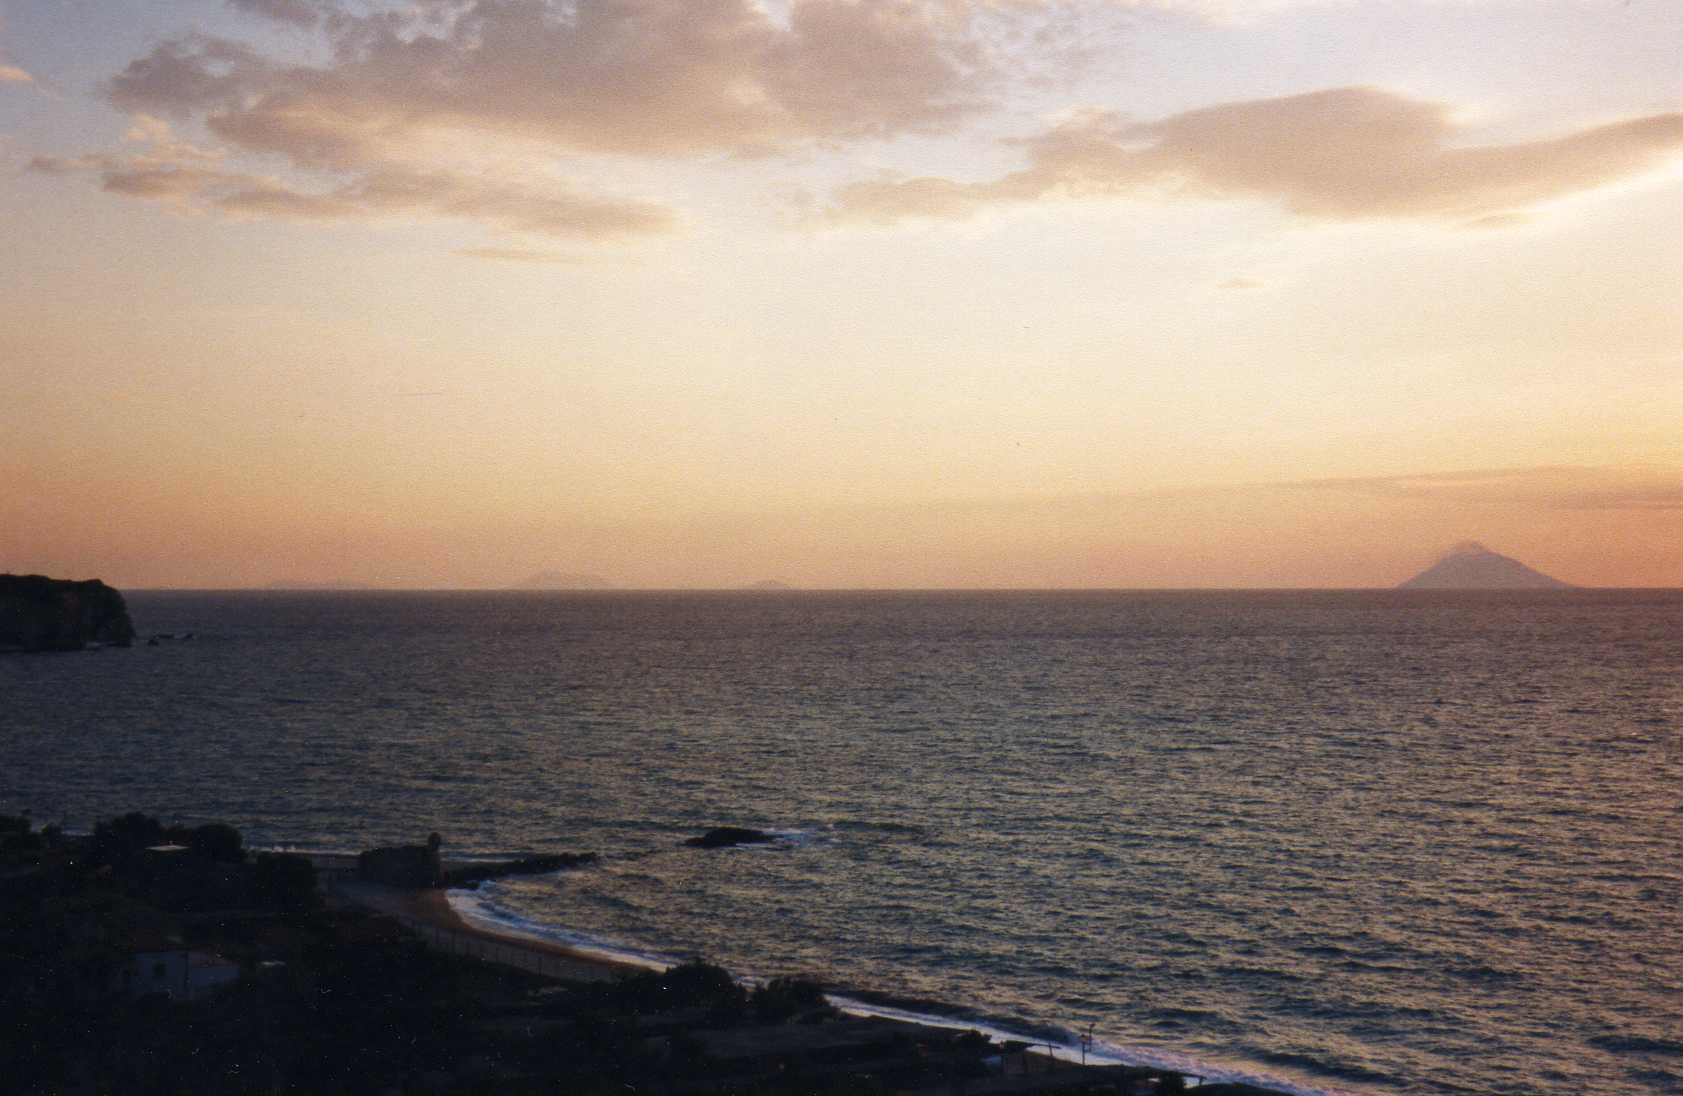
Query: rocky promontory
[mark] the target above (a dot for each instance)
(46, 614)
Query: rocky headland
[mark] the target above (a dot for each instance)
(46, 614)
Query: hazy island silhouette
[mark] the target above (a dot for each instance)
(559, 580)
(1469, 565)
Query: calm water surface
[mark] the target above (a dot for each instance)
(1351, 842)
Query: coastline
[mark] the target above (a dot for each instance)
(386, 985)
(430, 913)
(430, 909)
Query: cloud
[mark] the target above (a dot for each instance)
(512, 254)
(1341, 154)
(11, 74)
(1659, 497)
(66, 165)
(635, 77)
(188, 74)
(1242, 283)
(172, 183)
(1551, 487)
(538, 208)
(300, 13)
(1243, 12)
(157, 133)
(411, 92)
(338, 176)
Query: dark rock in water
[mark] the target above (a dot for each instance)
(471, 875)
(44, 614)
(1471, 566)
(727, 836)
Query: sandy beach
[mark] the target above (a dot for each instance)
(429, 914)
(428, 911)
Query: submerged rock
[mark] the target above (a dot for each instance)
(46, 614)
(725, 837)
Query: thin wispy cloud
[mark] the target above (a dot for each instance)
(513, 255)
(299, 13)
(1341, 154)
(508, 204)
(1561, 487)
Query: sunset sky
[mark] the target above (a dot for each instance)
(882, 293)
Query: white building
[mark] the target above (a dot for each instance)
(182, 974)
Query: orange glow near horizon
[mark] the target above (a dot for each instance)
(868, 296)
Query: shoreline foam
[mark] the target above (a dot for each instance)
(470, 909)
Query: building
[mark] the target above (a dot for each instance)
(163, 966)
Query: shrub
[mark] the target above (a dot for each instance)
(216, 841)
(691, 985)
(785, 998)
(116, 841)
(285, 882)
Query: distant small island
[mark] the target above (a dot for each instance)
(38, 613)
(330, 584)
(556, 580)
(1471, 566)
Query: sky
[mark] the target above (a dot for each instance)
(842, 293)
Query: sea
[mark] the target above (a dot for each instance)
(1327, 841)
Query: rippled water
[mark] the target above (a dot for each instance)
(1360, 842)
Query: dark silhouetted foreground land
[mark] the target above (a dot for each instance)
(145, 959)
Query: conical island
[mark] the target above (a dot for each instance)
(1471, 566)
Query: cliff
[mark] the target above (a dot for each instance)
(45, 614)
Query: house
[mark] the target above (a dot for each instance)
(165, 966)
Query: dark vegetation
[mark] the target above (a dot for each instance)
(44, 614)
(332, 999)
